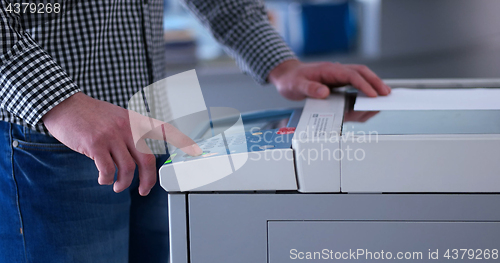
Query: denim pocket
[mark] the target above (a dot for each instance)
(42, 146)
(28, 139)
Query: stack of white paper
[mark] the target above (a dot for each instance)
(432, 99)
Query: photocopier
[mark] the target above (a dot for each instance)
(326, 182)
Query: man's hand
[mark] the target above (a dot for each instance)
(296, 80)
(103, 132)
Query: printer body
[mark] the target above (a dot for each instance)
(325, 179)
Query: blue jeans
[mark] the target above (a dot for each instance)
(53, 210)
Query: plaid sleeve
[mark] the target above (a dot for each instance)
(243, 28)
(31, 82)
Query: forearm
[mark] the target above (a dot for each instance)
(243, 28)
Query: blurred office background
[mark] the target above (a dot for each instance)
(395, 38)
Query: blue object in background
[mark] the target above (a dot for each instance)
(321, 28)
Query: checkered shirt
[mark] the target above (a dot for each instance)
(110, 49)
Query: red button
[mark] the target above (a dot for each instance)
(286, 130)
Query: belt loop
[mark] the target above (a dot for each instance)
(26, 133)
(11, 134)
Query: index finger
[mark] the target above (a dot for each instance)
(338, 74)
(146, 127)
(371, 78)
(180, 140)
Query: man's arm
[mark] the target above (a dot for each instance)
(34, 88)
(243, 28)
(31, 82)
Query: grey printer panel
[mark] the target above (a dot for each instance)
(289, 241)
(241, 223)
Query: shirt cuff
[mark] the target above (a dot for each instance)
(31, 82)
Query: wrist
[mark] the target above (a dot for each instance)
(281, 69)
(64, 107)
